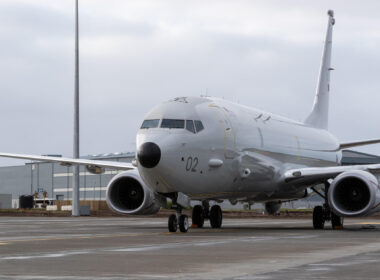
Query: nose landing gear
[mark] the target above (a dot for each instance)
(173, 223)
(178, 220)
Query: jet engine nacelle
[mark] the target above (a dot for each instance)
(272, 207)
(128, 194)
(354, 194)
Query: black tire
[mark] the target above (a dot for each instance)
(183, 223)
(172, 223)
(197, 216)
(336, 221)
(318, 218)
(216, 216)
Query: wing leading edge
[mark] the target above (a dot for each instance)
(71, 161)
(314, 175)
(358, 143)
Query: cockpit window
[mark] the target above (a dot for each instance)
(171, 123)
(190, 126)
(198, 126)
(150, 124)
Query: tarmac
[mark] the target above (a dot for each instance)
(141, 248)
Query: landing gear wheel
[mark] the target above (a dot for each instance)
(216, 216)
(336, 221)
(197, 216)
(318, 218)
(183, 223)
(172, 223)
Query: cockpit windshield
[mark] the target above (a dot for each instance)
(172, 123)
(150, 124)
(189, 125)
(199, 126)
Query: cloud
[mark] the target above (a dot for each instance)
(135, 54)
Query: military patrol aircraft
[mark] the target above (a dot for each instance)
(209, 150)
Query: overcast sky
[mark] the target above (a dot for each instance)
(135, 54)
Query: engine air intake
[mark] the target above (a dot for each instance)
(352, 194)
(127, 193)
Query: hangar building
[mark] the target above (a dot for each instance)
(56, 180)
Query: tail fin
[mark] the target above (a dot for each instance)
(320, 114)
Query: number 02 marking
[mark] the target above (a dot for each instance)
(191, 164)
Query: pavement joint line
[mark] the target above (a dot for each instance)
(78, 237)
(173, 245)
(114, 235)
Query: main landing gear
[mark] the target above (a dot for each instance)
(202, 212)
(321, 214)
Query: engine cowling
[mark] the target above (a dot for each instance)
(128, 194)
(354, 194)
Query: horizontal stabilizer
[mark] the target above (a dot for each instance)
(358, 143)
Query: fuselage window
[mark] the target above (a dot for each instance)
(150, 124)
(171, 123)
(198, 126)
(190, 126)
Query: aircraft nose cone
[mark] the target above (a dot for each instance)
(149, 155)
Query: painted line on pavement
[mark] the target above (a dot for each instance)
(54, 238)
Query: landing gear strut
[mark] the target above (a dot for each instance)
(321, 214)
(178, 220)
(202, 212)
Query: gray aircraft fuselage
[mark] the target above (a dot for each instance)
(242, 153)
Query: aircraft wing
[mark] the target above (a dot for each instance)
(314, 175)
(71, 161)
(358, 143)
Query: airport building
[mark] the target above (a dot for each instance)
(55, 180)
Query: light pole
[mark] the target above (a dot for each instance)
(75, 195)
